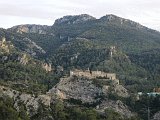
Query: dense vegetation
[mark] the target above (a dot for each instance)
(83, 45)
(30, 77)
(8, 112)
(87, 44)
(61, 112)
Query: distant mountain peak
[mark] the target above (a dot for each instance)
(110, 18)
(74, 19)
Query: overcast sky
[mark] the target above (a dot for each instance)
(15, 12)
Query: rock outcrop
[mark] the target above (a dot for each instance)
(121, 91)
(40, 29)
(23, 59)
(74, 19)
(77, 88)
(156, 116)
(117, 106)
(5, 46)
(71, 88)
(84, 90)
(120, 21)
(47, 67)
(31, 102)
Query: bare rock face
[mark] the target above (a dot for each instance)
(31, 102)
(40, 29)
(74, 19)
(23, 59)
(120, 21)
(156, 116)
(76, 88)
(47, 67)
(45, 99)
(118, 106)
(5, 46)
(121, 91)
(83, 89)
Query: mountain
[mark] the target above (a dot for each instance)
(37, 60)
(113, 30)
(82, 41)
(109, 30)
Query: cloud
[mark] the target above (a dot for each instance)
(10, 21)
(145, 12)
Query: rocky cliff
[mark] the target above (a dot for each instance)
(40, 29)
(156, 116)
(86, 91)
(74, 19)
(77, 88)
(31, 102)
(120, 21)
(118, 106)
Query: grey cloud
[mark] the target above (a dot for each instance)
(142, 11)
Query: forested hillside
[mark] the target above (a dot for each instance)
(34, 58)
(83, 41)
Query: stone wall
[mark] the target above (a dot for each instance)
(93, 74)
(111, 76)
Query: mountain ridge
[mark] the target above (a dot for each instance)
(88, 44)
(83, 18)
(37, 59)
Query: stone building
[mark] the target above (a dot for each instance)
(93, 74)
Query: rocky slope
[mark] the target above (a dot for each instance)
(74, 19)
(113, 19)
(21, 43)
(31, 102)
(118, 106)
(40, 29)
(156, 116)
(79, 89)
(84, 90)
